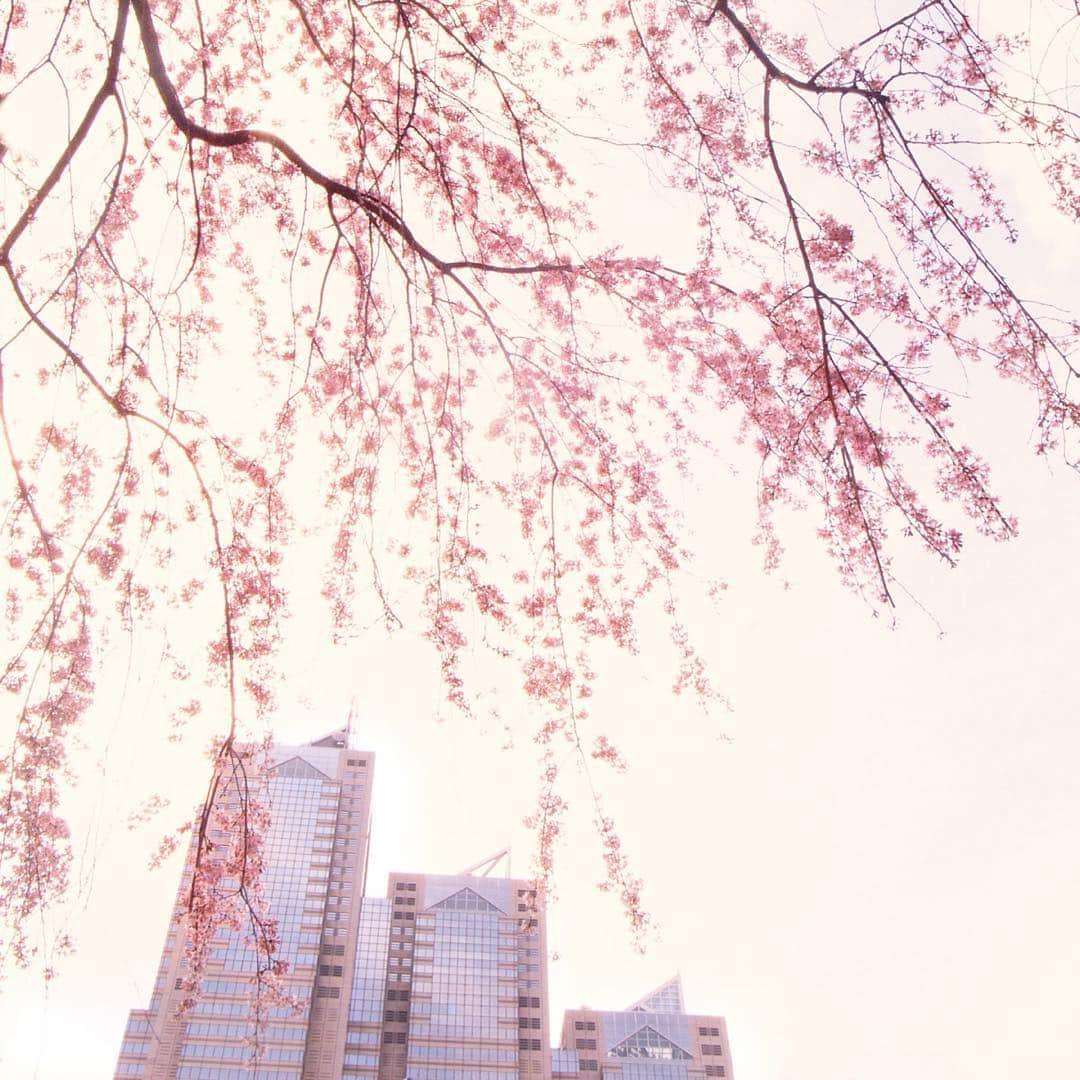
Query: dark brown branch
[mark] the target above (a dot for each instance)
(374, 206)
(811, 85)
(826, 354)
(105, 91)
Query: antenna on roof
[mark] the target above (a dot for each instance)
(485, 866)
(349, 720)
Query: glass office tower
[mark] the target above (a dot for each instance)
(450, 982)
(444, 978)
(653, 1039)
(316, 861)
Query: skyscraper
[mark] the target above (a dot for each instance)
(653, 1039)
(443, 979)
(450, 982)
(316, 866)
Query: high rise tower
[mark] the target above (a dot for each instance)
(316, 863)
(653, 1039)
(444, 978)
(450, 982)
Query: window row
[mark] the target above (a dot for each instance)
(238, 1008)
(244, 1031)
(213, 1072)
(476, 1028)
(361, 1037)
(221, 986)
(241, 1051)
(475, 1054)
(438, 1072)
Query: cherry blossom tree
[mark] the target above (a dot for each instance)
(270, 260)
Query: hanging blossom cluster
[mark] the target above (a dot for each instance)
(328, 261)
(221, 891)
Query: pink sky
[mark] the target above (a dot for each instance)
(874, 875)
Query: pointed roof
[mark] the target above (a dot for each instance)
(335, 739)
(666, 998)
(647, 1042)
(464, 900)
(296, 768)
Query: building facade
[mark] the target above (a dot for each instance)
(316, 868)
(653, 1039)
(450, 982)
(444, 978)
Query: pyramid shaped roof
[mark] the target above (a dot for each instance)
(296, 768)
(666, 998)
(647, 1042)
(465, 899)
(335, 739)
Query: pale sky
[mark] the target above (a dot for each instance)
(869, 866)
(873, 873)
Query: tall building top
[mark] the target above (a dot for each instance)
(339, 739)
(666, 998)
(653, 1039)
(328, 758)
(467, 892)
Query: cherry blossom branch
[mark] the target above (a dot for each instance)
(63, 163)
(373, 205)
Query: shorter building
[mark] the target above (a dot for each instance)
(450, 982)
(654, 1039)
